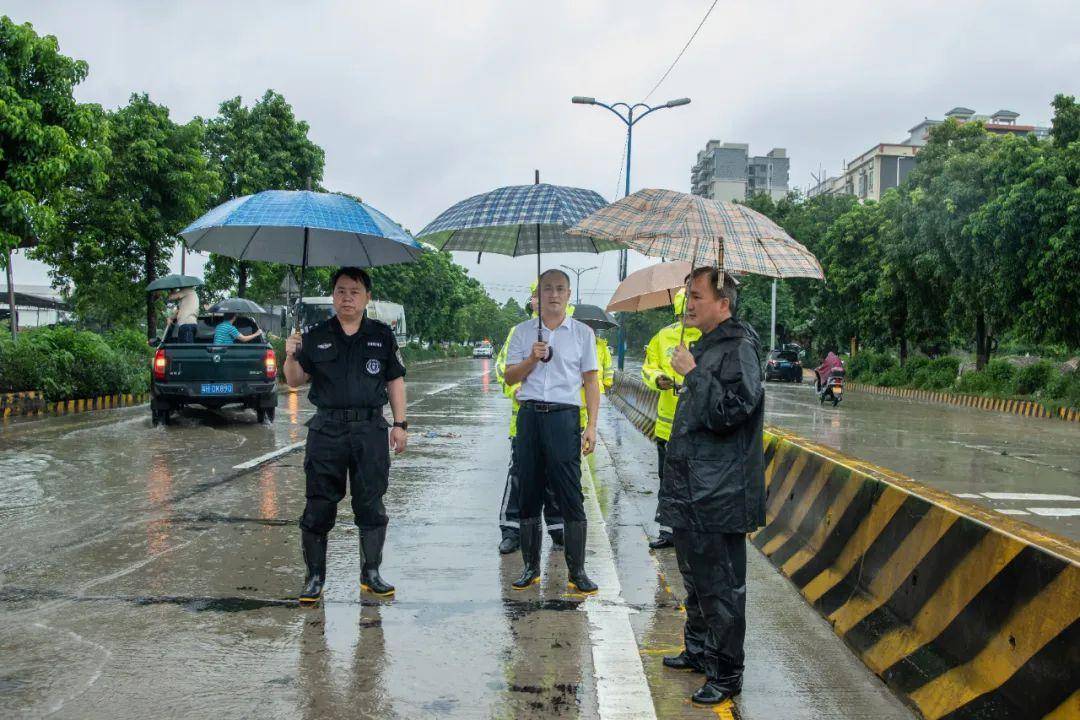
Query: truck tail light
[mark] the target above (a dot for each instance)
(160, 363)
(270, 363)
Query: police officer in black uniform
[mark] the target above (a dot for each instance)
(355, 368)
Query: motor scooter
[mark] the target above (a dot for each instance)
(832, 388)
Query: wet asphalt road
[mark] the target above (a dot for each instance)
(1028, 468)
(140, 576)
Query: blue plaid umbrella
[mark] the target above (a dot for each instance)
(301, 227)
(518, 220)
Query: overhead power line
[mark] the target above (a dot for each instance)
(681, 52)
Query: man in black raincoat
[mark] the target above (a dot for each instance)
(713, 491)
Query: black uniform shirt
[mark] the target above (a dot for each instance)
(350, 371)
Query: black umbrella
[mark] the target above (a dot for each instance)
(238, 305)
(173, 282)
(595, 317)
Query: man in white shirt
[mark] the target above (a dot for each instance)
(552, 372)
(187, 314)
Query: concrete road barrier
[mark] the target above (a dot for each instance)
(1014, 406)
(33, 402)
(963, 612)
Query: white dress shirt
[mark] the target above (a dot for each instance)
(573, 345)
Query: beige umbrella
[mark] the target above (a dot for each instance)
(651, 287)
(677, 226)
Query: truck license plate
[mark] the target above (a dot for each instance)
(217, 388)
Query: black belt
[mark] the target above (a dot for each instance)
(350, 414)
(548, 407)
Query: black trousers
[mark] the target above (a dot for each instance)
(661, 453)
(357, 452)
(713, 566)
(510, 509)
(549, 455)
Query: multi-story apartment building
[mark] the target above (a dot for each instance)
(727, 171)
(886, 165)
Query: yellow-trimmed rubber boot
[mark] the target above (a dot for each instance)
(530, 554)
(313, 547)
(371, 546)
(575, 558)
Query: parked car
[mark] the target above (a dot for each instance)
(483, 350)
(213, 376)
(783, 365)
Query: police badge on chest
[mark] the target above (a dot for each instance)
(374, 366)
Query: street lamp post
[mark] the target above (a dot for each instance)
(578, 272)
(629, 120)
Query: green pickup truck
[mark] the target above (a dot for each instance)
(212, 376)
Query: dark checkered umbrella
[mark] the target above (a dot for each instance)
(519, 220)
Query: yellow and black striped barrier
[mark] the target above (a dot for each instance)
(963, 612)
(33, 402)
(1026, 408)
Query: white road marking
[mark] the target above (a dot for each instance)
(970, 496)
(1033, 497)
(269, 456)
(621, 688)
(1012, 511)
(1055, 512)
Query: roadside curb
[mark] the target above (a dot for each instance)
(962, 612)
(1025, 408)
(33, 403)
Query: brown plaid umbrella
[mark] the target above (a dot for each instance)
(677, 226)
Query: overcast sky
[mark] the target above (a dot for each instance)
(421, 104)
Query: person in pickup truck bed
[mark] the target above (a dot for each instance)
(355, 368)
(226, 333)
(186, 316)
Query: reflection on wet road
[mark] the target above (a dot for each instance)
(1025, 467)
(141, 575)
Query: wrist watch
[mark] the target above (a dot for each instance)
(404, 424)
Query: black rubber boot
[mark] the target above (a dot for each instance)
(714, 692)
(682, 661)
(663, 541)
(510, 542)
(313, 547)
(371, 546)
(558, 539)
(575, 558)
(530, 554)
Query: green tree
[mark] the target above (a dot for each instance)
(49, 144)
(438, 295)
(800, 302)
(1031, 226)
(262, 147)
(1065, 129)
(121, 236)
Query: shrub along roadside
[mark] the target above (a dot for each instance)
(67, 364)
(1041, 381)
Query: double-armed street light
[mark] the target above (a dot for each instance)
(626, 113)
(578, 272)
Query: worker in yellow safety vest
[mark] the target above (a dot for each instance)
(659, 375)
(510, 507)
(606, 376)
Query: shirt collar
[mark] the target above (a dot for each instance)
(564, 323)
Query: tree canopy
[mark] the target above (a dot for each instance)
(50, 145)
(120, 236)
(262, 147)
